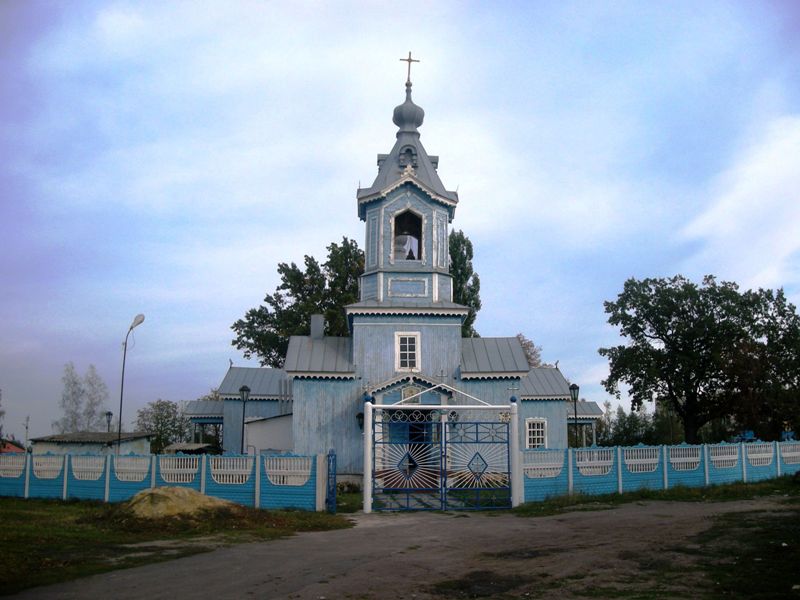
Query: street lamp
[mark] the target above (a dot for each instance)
(137, 320)
(574, 390)
(244, 392)
(109, 414)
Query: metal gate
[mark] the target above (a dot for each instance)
(427, 459)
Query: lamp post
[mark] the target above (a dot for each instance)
(244, 392)
(574, 390)
(137, 320)
(109, 414)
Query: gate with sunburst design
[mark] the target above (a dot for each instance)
(427, 459)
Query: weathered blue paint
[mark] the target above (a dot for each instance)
(303, 497)
(651, 480)
(541, 488)
(790, 463)
(119, 491)
(328, 420)
(232, 415)
(14, 486)
(241, 493)
(84, 489)
(45, 488)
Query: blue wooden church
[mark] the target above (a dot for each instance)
(405, 345)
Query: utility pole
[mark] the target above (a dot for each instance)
(27, 423)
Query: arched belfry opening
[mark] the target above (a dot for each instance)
(407, 236)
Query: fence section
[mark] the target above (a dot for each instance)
(276, 482)
(549, 473)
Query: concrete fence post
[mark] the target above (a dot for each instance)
(322, 481)
(516, 473)
(664, 464)
(203, 464)
(107, 493)
(743, 457)
(257, 475)
(705, 464)
(368, 457)
(65, 473)
(570, 482)
(619, 470)
(28, 459)
(777, 448)
(153, 470)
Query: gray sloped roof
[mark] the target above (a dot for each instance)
(204, 408)
(408, 116)
(544, 382)
(92, 437)
(492, 357)
(264, 383)
(586, 410)
(320, 357)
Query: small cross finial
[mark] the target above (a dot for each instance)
(409, 60)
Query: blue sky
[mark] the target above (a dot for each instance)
(164, 157)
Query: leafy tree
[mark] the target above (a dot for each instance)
(708, 351)
(166, 421)
(83, 401)
(532, 352)
(318, 289)
(466, 284)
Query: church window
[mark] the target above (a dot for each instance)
(410, 391)
(407, 236)
(407, 351)
(535, 433)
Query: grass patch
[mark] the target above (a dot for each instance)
(47, 541)
(349, 502)
(782, 486)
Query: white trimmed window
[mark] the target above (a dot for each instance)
(535, 433)
(406, 351)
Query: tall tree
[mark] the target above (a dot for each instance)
(466, 283)
(166, 421)
(688, 344)
(71, 401)
(96, 397)
(83, 401)
(318, 289)
(532, 352)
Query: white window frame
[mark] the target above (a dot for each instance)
(398, 336)
(528, 429)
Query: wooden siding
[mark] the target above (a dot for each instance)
(325, 417)
(232, 415)
(374, 346)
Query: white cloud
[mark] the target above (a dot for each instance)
(750, 230)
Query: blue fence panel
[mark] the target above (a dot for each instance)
(12, 474)
(47, 476)
(685, 466)
(87, 477)
(546, 474)
(642, 468)
(594, 470)
(289, 482)
(724, 463)
(789, 454)
(129, 475)
(231, 478)
(761, 462)
(178, 471)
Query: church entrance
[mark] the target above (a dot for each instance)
(432, 458)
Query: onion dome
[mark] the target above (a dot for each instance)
(408, 116)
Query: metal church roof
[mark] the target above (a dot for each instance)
(205, 408)
(92, 437)
(586, 410)
(264, 383)
(422, 307)
(492, 357)
(543, 382)
(320, 357)
(407, 160)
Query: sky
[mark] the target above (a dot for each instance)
(163, 157)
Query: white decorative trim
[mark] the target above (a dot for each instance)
(88, 468)
(131, 468)
(178, 469)
(724, 457)
(12, 465)
(641, 460)
(48, 467)
(543, 464)
(231, 470)
(684, 458)
(417, 351)
(529, 422)
(790, 452)
(594, 462)
(435, 285)
(423, 280)
(288, 470)
(759, 454)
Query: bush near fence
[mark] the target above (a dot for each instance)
(548, 473)
(264, 481)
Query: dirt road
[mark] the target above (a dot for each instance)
(426, 556)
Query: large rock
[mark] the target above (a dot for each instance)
(162, 502)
